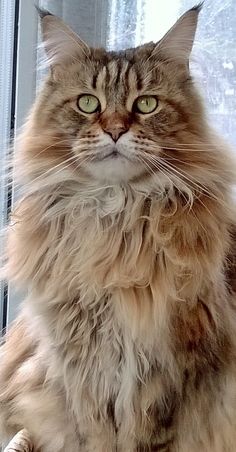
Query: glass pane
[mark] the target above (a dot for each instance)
(7, 16)
(215, 56)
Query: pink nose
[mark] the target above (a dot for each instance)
(115, 132)
(115, 124)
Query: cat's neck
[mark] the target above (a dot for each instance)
(119, 237)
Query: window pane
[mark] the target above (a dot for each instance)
(7, 16)
(215, 55)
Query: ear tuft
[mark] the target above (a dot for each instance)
(42, 12)
(62, 45)
(177, 43)
(197, 7)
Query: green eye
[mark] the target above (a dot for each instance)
(146, 104)
(88, 103)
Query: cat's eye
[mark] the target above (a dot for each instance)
(145, 104)
(88, 103)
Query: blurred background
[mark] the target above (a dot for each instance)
(114, 24)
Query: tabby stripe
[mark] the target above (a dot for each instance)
(107, 76)
(94, 81)
(139, 81)
(119, 68)
(126, 73)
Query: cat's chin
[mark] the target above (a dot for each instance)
(115, 169)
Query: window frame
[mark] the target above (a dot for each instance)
(24, 93)
(9, 10)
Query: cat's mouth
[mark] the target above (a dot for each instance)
(113, 154)
(114, 164)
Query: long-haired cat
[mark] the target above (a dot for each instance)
(124, 241)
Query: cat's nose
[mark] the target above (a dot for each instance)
(115, 126)
(116, 132)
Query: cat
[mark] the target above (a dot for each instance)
(124, 238)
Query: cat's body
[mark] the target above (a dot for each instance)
(126, 341)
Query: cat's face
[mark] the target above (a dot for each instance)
(121, 113)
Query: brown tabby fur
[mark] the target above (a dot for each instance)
(127, 338)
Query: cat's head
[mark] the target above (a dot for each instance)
(121, 117)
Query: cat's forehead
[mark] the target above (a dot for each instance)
(114, 77)
(118, 74)
(120, 71)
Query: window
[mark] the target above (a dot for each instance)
(7, 70)
(114, 24)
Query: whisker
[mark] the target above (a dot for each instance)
(166, 172)
(51, 146)
(189, 202)
(43, 177)
(201, 187)
(192, 165)
(9, 166)
(187, 148)
(207, 194)
(150, 170)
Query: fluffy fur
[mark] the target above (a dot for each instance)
(126, 340)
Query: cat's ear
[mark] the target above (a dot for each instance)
(61, 44)
(177, 43)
